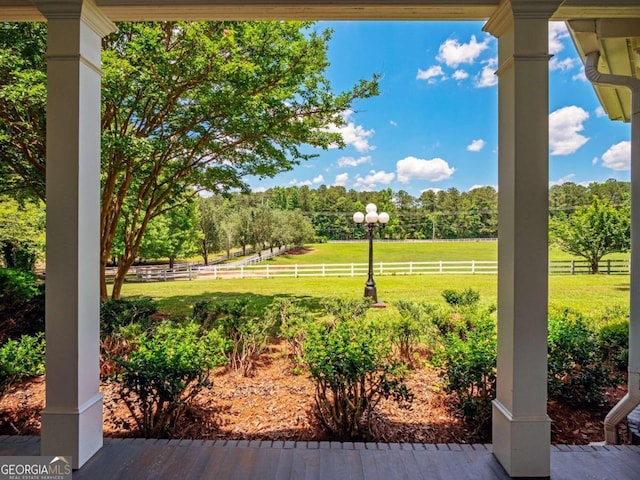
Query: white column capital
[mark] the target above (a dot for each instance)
(510, 10)
(85, 10)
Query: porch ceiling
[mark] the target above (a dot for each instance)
(321, 9)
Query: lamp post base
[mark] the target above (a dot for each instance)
(379, 305)
(370, 292)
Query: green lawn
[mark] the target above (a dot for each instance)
(585, 293)
(357, 252)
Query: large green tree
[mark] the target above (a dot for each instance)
(23, 96)
(187, 106)
(172, 235)
(204, 105)
(593, 232)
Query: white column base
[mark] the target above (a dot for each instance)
(521, 445)
(77, 433)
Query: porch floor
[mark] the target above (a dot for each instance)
(262, 460)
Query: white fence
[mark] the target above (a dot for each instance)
(264, 270)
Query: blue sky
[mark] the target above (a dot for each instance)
(434, 124)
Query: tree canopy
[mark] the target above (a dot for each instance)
(593, 232)
(187, 106)
(23, 96)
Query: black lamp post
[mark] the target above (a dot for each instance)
(372, 218)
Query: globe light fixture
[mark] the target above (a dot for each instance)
(372, 220)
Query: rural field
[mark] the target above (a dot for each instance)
(586, 293)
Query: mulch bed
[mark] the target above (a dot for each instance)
(277, 404)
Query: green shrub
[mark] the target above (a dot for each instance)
(576, 373)
(461, 298)
(351, 374)
(468, 367)
(247, 331)
(292, 322)
(20, 359)
(115, 314)
(17, 286)
(160, 378)
(342, 309)
(21, 304)
(409, 328)
(614, 343)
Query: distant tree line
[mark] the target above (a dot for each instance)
(296, 215)
(443, 214)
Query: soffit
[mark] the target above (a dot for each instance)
(618, 41)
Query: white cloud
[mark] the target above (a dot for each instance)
(432, 189)
(594, 161)
(370, 181)
(600, 112)
(453, 53)
(563, 65)
(259, 189)
(352, 134)
(564, 125)
(392, 123)
(474, 187)
(618, 156)
(341, 180)
(476, 145)
(487, 76)
(412, 168)
(303, 183)
(460, 75)
(580, 76)
(306, 183)
(557, 32)
(561, 180)
(353, 162)
(431, 74)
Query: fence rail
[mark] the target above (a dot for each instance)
(263, 270)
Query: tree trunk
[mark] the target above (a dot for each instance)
(103, 279)
(594, 267)
(172, 261)
(121, 274)
(205, 253)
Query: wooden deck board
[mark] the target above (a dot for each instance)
(181, 460)
(265, 464)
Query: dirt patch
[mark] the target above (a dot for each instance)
(300, 251)
(277, 404)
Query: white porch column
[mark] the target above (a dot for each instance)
(521, 427)
(72, 417)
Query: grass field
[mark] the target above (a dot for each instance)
(357, 252)
(586, 293)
